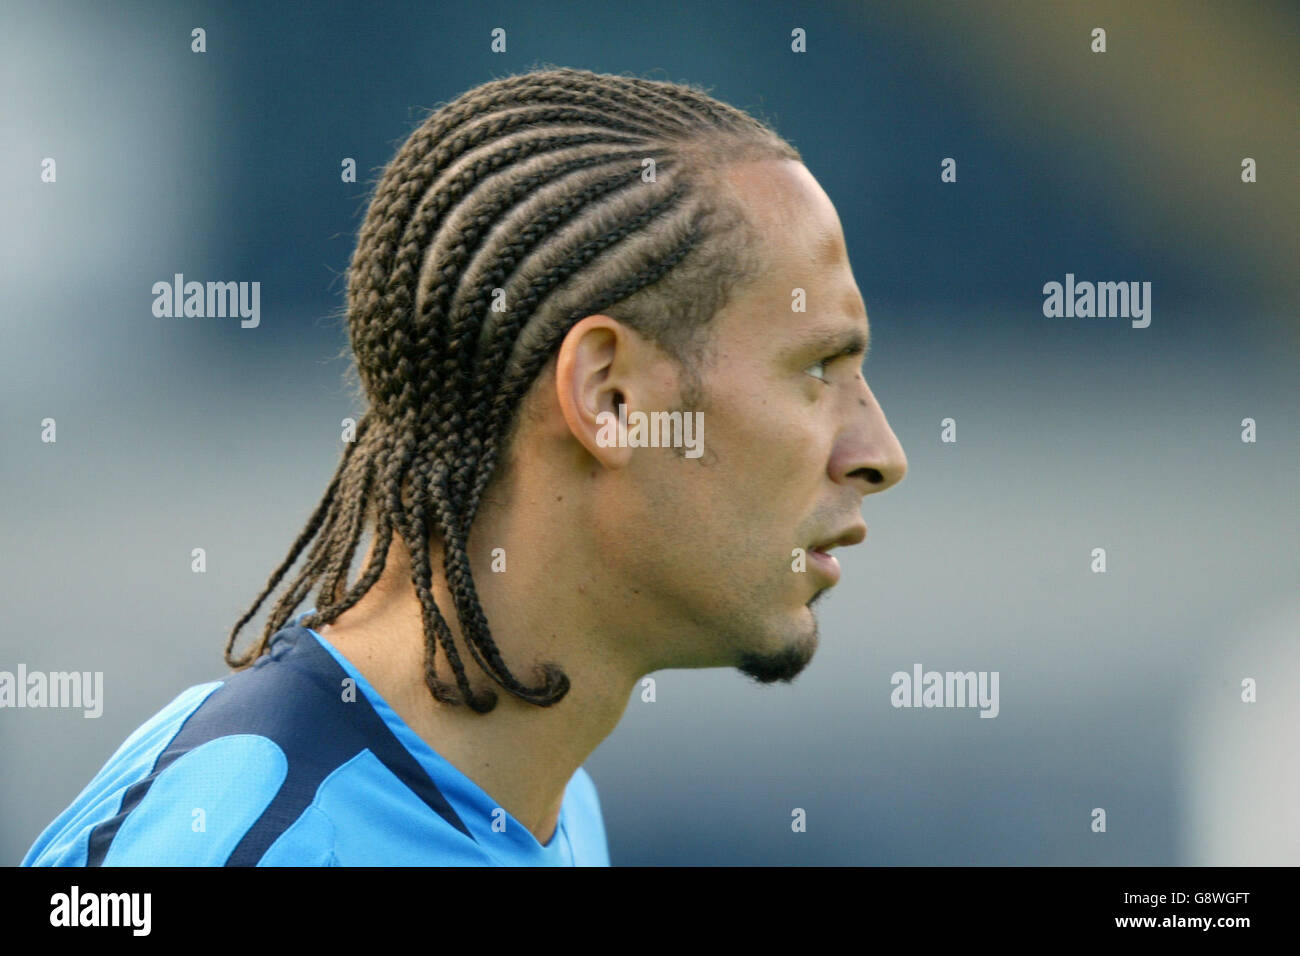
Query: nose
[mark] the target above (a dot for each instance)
(868, 455)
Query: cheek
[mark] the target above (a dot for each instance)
(773, 448)
(760, 483)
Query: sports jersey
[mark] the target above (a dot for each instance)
(297, 761)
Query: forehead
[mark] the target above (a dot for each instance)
(781, 194)
(802, 247)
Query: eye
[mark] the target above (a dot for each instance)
(820, 365)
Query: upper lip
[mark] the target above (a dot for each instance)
(850, 536)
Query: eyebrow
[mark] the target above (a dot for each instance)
(837, 342)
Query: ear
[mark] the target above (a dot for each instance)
(594, 374)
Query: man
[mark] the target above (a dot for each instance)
(550, 262)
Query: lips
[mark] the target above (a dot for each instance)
(819, 554)
(826, 564)
(854, 534)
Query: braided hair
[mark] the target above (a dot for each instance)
(507, 216)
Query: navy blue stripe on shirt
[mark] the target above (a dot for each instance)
(292, 695)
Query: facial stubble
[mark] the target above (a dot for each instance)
(787, 663)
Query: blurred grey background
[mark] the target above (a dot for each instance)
(1118, 690)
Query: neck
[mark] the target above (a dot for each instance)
(520, 754)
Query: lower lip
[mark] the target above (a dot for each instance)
(826, 564)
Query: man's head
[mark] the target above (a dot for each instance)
(719, 550)
(550, 247)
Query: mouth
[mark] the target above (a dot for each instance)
(820, 558)
(825, 563)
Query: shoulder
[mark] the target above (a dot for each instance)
(219, 774)
(68, 840)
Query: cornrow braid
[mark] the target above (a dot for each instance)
(510, 214)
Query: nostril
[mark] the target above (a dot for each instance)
(872, 475)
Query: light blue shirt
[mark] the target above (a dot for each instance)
(282, 764)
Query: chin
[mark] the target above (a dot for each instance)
(784, 663)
